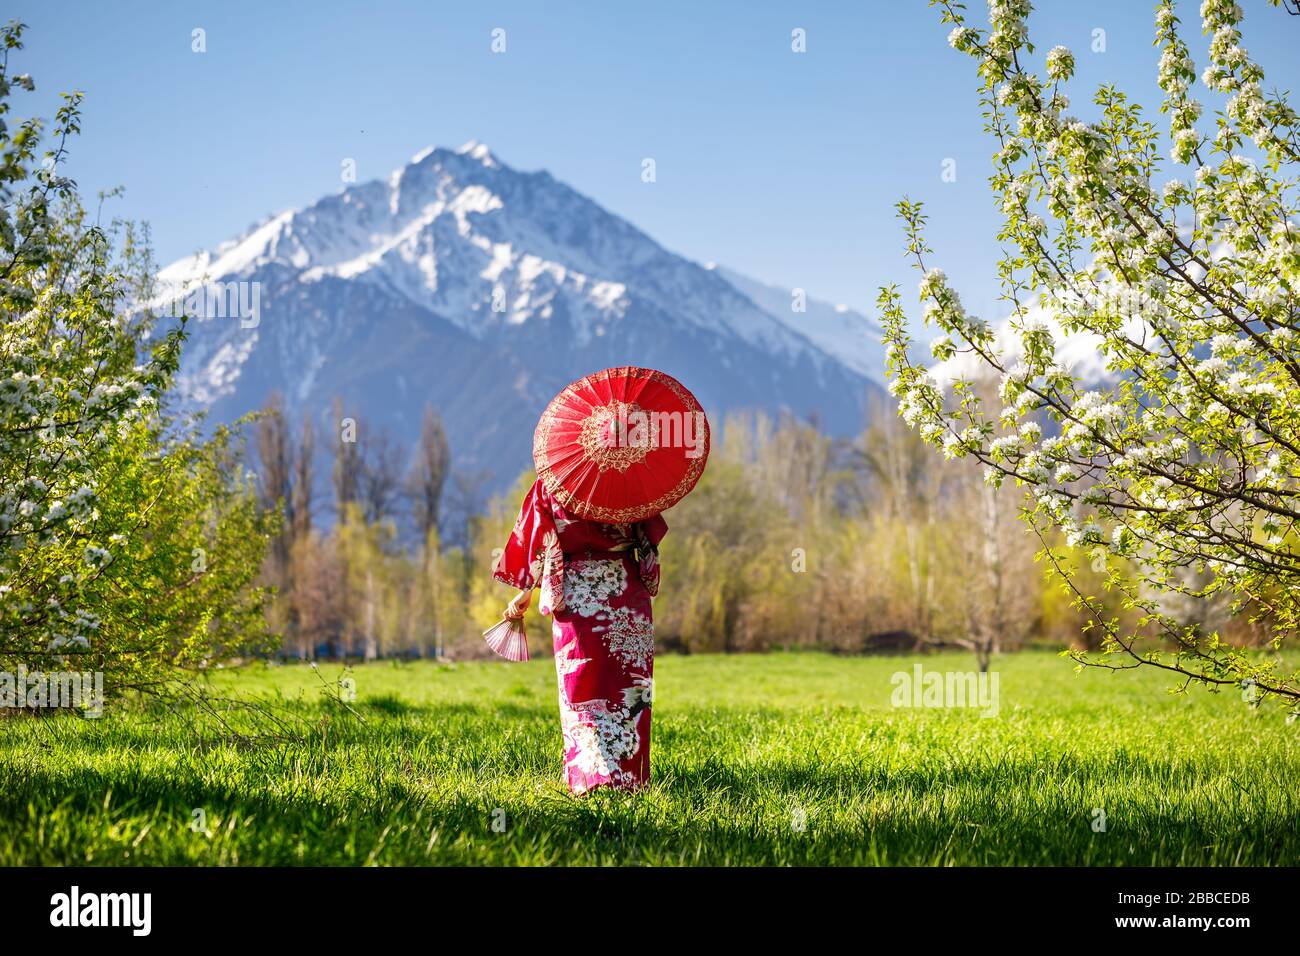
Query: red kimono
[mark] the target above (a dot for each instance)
(597, 581)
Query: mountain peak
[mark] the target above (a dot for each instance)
(466, 284)
(476, 150)
(472, 150)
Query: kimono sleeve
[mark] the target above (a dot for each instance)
(649, 533)
(532, 553)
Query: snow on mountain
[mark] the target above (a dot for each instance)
(1078, 352)
(461, 282)
(849, 336)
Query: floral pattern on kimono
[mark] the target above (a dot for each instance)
(602, 630)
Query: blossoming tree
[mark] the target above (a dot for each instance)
(1176, 473)
(126, 546)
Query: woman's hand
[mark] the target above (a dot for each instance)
(516, 608)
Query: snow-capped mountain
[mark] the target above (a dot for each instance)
(482, 290)
(1078, 352)
(851, 337)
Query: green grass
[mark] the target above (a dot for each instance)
(741, 747)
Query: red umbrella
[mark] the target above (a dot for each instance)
(621, 445)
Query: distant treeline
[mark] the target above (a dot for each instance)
(792, 539)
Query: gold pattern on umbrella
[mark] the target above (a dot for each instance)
(598, 445)
(608, 441)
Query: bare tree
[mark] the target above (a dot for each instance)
(304, 477)
(996, 564)
(347, 462)
(274, 479)
(275, 455)
(426, 481)
(429, 472)
(909, 490)
(275, 493)
(320, 590)
(466, 503)
(379, 474)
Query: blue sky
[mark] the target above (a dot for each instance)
(784, 166)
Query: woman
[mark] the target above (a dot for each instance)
(596, 581)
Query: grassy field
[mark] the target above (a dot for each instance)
(782, 759)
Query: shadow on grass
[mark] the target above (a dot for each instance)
(709, 812)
